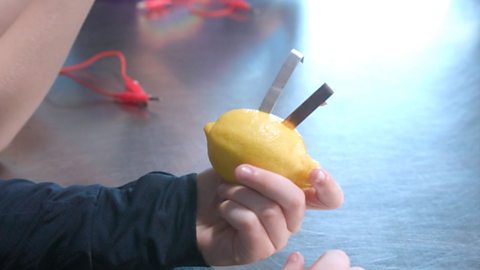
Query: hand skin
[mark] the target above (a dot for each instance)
(240, 224)
(35, 38)
(330, 260)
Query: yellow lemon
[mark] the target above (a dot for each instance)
(260, 139)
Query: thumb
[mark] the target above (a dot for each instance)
(294, 262)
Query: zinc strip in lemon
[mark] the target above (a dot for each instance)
(308, 106)
(281, 80)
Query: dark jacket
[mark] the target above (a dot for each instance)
(146, 224)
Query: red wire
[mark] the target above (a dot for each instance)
(230, 6)
(133, 92)
(95, 58)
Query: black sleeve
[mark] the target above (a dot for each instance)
(146, 224)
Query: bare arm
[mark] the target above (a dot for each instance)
(9, 11)
(32, 50)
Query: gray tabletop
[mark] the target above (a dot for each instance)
(401, 134)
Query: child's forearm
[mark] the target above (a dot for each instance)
(32, 51)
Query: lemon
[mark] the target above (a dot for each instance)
(260, 139)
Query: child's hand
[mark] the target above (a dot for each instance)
(325, 193)
(330, 260)
(239, 224)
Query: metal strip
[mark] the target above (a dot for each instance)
(308, 106)
(281, 80)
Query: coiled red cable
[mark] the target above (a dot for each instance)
(133, 93)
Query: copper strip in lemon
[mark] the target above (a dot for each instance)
(308, 106)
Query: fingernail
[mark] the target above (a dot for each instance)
(320, 176)
(294, 257)
(246, 170)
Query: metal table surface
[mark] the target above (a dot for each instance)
(401, 134)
